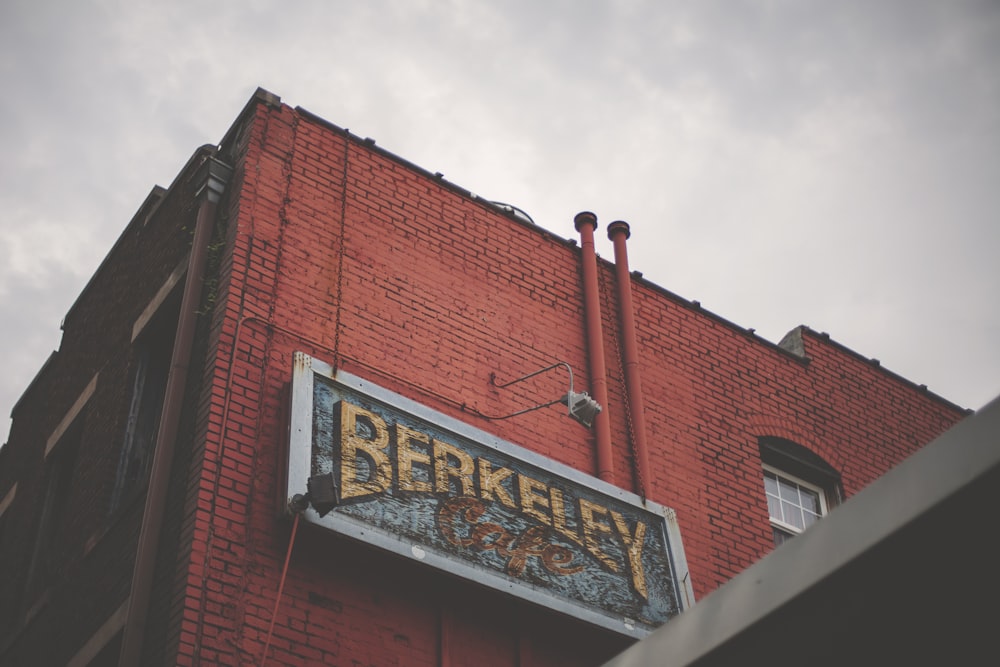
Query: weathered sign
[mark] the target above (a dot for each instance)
(432, 488)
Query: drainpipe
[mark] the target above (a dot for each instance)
(211, 181)
(618, 232)
(586, 223)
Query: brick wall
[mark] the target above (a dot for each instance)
(359, 259)
(328, 245)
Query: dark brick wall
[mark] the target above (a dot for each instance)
(93, 552)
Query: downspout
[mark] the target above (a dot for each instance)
(618, 232)
(586, 223)
(210, 182)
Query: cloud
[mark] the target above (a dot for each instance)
(783, 162)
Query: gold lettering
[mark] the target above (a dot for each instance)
(490, 483)
(442, 471)
(591, 526)
(633, 549)
(374, 449)
(559, 516)
(407, 455)
(529, 499)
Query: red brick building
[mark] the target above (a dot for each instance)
(145, 487)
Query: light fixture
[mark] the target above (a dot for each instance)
(582, 408)
(321, 493)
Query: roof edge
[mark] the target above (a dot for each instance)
(146, 210)
(260, 96)
(824, 338)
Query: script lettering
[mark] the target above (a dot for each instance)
(489, 536)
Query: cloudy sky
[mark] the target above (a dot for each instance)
(835, 164)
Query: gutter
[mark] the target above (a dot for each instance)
(211, 180)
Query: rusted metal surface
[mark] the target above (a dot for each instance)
(432, 488)
(618, 232)
(585, 223)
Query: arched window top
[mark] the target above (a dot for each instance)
(795, 458)
(799, 486)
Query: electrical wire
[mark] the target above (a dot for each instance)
(281, 586)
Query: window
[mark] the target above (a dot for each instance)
(800, 487)
(152, 352)
(47, 553)
(5, 504)
(792, 503)
(7, 598)
(148, 387)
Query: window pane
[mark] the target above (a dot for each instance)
(810, 500)
(793, 516)
(770, 483)
(793, 505)
(774, 508)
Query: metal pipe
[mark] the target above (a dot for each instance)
(586, 223)
(618, 232)
(211, 182)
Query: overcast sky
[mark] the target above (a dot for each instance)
(835, 164)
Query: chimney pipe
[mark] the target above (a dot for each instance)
(586, 223)
(618, 232)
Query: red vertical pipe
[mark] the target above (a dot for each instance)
(586, 223)
(618, 232)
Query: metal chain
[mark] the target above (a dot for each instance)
(340, 254)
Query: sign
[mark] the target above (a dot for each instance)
(434, 489)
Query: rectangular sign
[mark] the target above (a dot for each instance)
(434, 489)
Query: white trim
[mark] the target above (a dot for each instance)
(161, 296)
(8, 499)
(100, 639)
(74, 411)
(824, 506)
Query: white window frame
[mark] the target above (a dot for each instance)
(818, 490)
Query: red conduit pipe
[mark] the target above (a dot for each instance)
(211, 182)
(618, 232)
(281, 587)
(586, 223)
